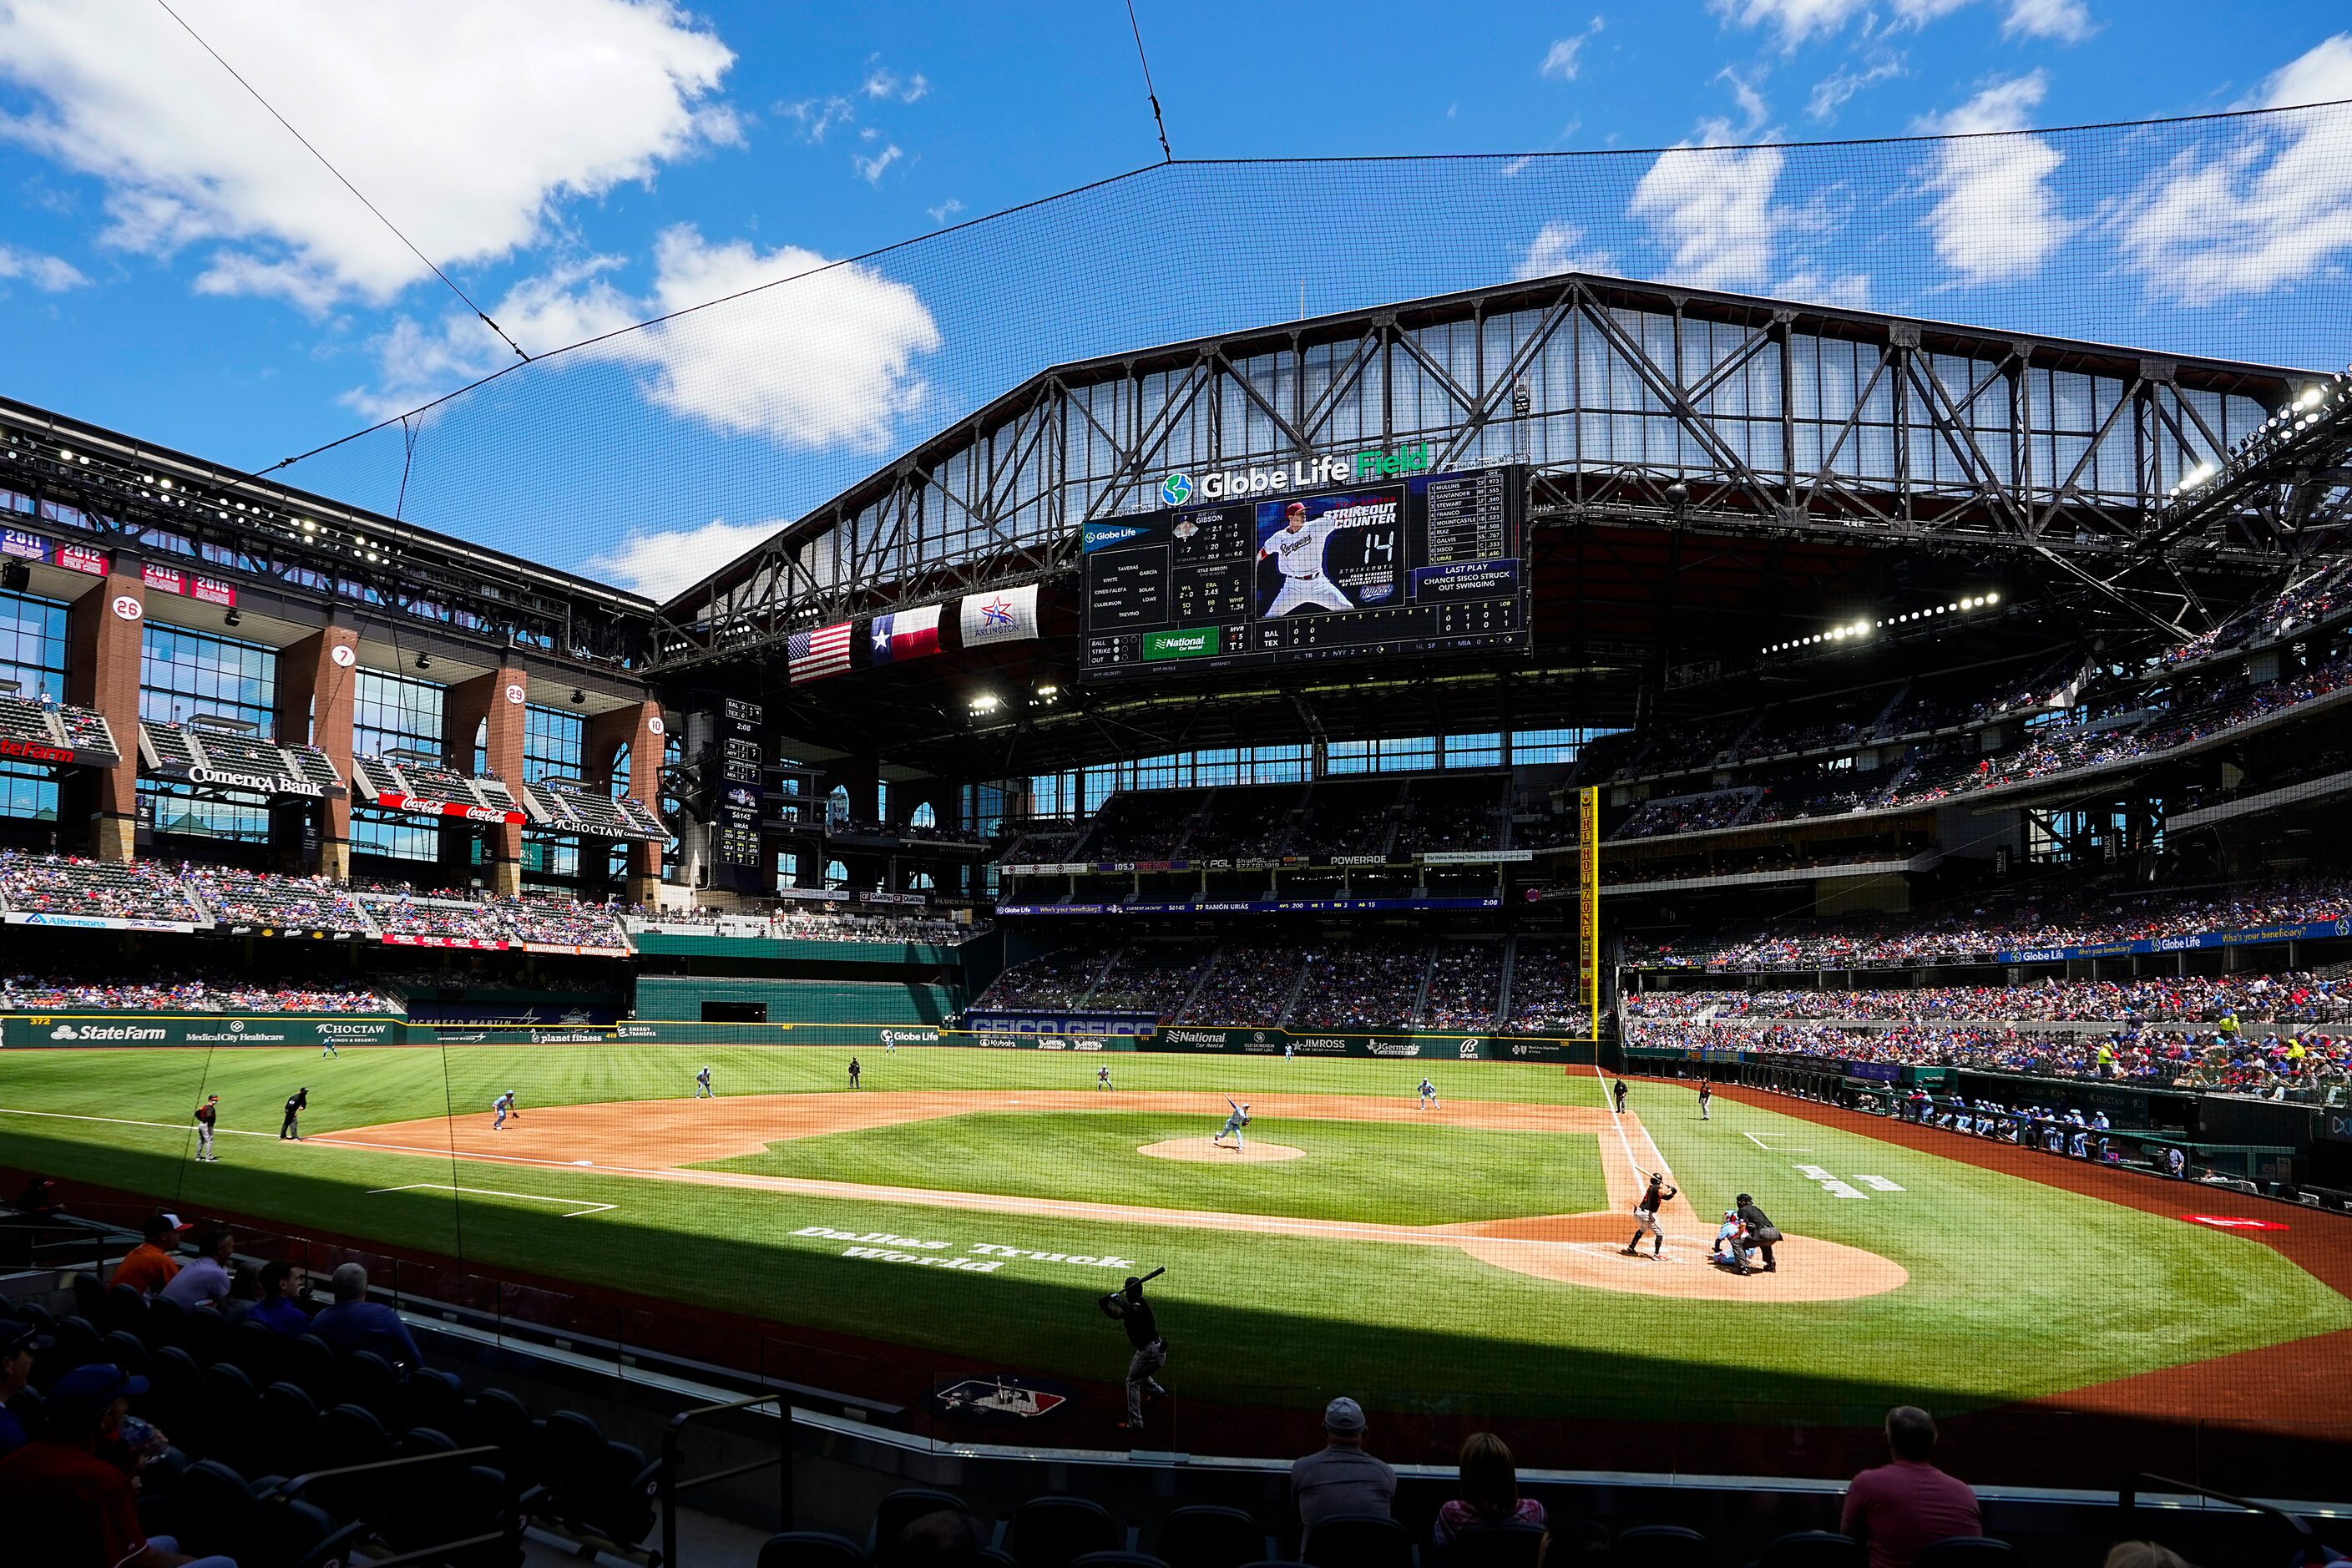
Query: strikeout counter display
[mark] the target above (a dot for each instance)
(1277, 566)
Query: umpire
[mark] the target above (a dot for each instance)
(1134, 1314)
(1761, 1232)
(296, 1104)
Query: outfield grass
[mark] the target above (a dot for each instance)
(1379, 1173)
(2017, 1289)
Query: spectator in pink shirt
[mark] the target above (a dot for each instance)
(1908, 1503)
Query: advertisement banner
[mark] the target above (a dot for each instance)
(424, 806)
(1049, 1022)
(2314, 931)
(99, 922)
(467, 943)
(57, 1031)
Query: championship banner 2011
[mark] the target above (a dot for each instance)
(1588, 904)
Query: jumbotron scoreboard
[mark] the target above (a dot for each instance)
(1422, 562)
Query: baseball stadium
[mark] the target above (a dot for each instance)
(1649, 862)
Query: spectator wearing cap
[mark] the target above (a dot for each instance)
(149, 1266)
(356, 1323)
(71, 1506)
(205, 1281)
(1339, 1477)
(283, 1286)
(1906, 1504)
(19, 1346)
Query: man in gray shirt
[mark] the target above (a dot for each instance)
(1340, 1477)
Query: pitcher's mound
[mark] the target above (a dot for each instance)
(1199, 1148)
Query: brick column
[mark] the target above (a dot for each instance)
(104, 628)
(317, 684)
(494, 702)
(640, 727)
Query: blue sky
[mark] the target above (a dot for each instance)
(173, 264)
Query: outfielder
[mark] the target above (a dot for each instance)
(1428, 1096)
(207, 1115)
(1297, 550)
(702, 1090)
(1233, 1123)
(327, 1048)
(504, 1107)
(1134, 1315)
(1645, 1216)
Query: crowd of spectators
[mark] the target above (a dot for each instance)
(1150, 977)
(1466, 982)
(802, 922)
(2272, 1064)
(158, 994)
(103, 890)
(2311, 599)
(294, 904)
(1059, 979)
(2295, 999)
(1545, 998)
(1369, 984)
(1687, 814)
(562, 922)
(1249, 982)
(2096, 915)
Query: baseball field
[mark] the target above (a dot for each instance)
(963, 1208)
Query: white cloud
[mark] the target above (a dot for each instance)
(1851, 289)
(1834, 91)
(946, 210)
(1996, 217)
(1559, 60)
(1752, 108)
(1711, 207)
(466, 121)
(881, 83)
(2062, 21)
(825, 359)
(668, 560)
(869, 169)
(1560, 246)
(1798, 21)
(817, 116)
(50, 274)
(2272, 207)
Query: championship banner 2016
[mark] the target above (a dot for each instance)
(1588, 904)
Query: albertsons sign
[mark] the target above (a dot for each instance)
(1225, 484)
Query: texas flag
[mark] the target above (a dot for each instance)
(909, 634)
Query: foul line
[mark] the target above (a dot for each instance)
(127, 1121)
(585, 1207)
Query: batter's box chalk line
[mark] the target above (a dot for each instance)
(1610, 1249)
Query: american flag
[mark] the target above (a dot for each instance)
(817, 653)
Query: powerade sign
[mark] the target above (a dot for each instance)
(2314, 931)
(1181, 489)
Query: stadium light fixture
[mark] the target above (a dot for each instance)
(65, 453)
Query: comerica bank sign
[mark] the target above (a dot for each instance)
(1331, 468)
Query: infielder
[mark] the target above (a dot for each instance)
(504, 1107)
(702, 1090)
(207, 1115)
(1705, 1100)
(1297, 550)
(1233, 1123)
(1646, 1215)
(1102, 1076)
(1134, 1315)
(1428, 1096)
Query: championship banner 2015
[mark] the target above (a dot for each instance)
(1588, 904)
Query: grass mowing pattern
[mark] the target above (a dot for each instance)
(1376, 1172)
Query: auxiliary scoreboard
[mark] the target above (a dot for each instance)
(1423, 563)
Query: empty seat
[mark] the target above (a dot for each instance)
(125, 1350)
(230, 1404)
(1117, 1559)
(810, 1549)
(77, 1346)
(1049, 1531)
(90, 1298)
(175, 1401)
(167, 1323)
(1965, 1552)
(261, 1350)
(595, 1484)
(1661, 1546)
(1813, 1548)
(1358, 1540)
(1500, 1546)
(499, 1419)
(125, 1307)
(1207, 1536)
(311, 1363)
(371, 1381)
(285, 1431)
(212, 1511)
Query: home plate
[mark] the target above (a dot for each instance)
(1200, 1151)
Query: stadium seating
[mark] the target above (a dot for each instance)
(305, 904)
(68, 885)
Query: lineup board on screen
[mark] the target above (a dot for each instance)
(1421, 564)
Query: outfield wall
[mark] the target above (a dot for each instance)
(23, 1031)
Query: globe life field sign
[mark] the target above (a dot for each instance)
(1344, 557)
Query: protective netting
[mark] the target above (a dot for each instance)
(2221, 236)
